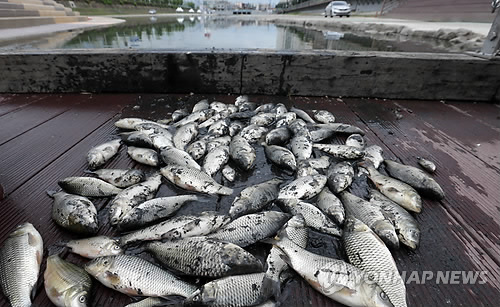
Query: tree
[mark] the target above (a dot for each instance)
(191, 5)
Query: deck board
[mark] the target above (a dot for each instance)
(460, 233)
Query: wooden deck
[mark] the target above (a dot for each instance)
(44, 138)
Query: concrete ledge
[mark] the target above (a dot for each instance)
(349, 74)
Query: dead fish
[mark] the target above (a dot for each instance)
(66, 284)
(247, 106)
(263, 119)
(232, 109)
(240, 99)
(321, 163)
(88, 187)
(278, 136)
(305, 169)
(179, 114)
(268, 107)
(298, 126)
(235, 127)
(132, 122)
(218, 106)
(251, 228)
(321, 134)
(135, 276)
(331, 205)
(323, 116)
(255, 197)
(404, 223)
(340, 128)
(74, 213)
(242, 153)
(341, 151)
(356, 140)
(416, 178)
(132, 196)
(121, 178)
(149, 302)
(94, 247)
(201, 105)
(20, 257)
(302, 145)
(197, 149)
(253, 133)
(229, 173)
(218, 142)
(219, 128)
(99, 155)
(143, 155)
(175, 156)
(373, 155)
(303, 187)
(281, 109)
(184, 135)
(198, 117)
(368, 253)
(427, 165)
(202, 256)
(340, 176)
(302, 114)
(137, 139)
(215, 160)
(192, 179)
(280, 156)
(372, 216)
(210, 121)
(285, 119)
(160, 137)
(243, 115)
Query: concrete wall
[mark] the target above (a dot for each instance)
(340, 73)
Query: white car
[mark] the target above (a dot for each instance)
(152, 11)
(338, 8)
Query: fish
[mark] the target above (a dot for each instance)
(201, 105)
(356, 140)
(184, 135)
(303, 115)
(94, 247)
(278, 136)
(201, 256)
(145, 156)
(244, 115)
(149, 302)
(240, 99)
(303, 187)
(263, 119)
(323, 116)
(251, 228)
(416, 178)
(88, 187)
(406, 226)
(132, 122)
(198, 117)
(66, 284)
(429, 166)
(265, 108)
(321, 163)
(74, 213)
(179, 114)
(302, 145)
(281, 109)
(218, 106)
(121, 178)
(334, 278)
(242, 153)
(197, 149)
(397, 191)
(340, 176)
(218, 141)
(235, 127)
(236, 290)
(255, 197)
(247, 106)
(305, 169)
(135, 276)
(372, 216)
(280, 156)
(231, 108)
(20, 257)
(368, 253)
(298, 126)
(175, 156)
(219, 128)
(154, 209)
(341, 151)
(321, 134)
(137, 139)
(100, 154)
(340, 128)
(253, 133)
(331, 205)
(132, 196)
(210, 121)
(284, 120)
(192, 179)
(178, 227)
(160, 137)
(229, 173)
(373, 156)
(313, 216)
(215, 160)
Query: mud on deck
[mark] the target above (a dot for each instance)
(44, 138)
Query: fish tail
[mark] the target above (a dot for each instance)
(87, 171)
(225, 190)
(51, 193)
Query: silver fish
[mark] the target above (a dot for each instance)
(135, 276)
(20, 258)
(404, 223)
(427, 165)
(285, 119)
(305, 169)
(302, 114)
(201, 105)
(137, 139)
(235, 127)
(368, 253)
(201, 256)
(373, 156)
(298, 126)
(251, 228)
(192, 179)
(281, 109)
(148, 302)
(323, 116)
(232, 108)
(372, 216)
(263, 119)
(242, 115)
(132, 122)
(94, 247)
(340, 176)
(268, 107)
(340, 128)
(198, 117)
(160, 137)
(229, 173)
(66, 284)
(240, 99)
(416, 178)
(74, 213)
(218, 106)
(255, 197)
(356, 140)
(215, 160)
(175, 156)
(301, 145)
(100, 154)
(331, 205)
(280, 156)
(278, 136)
(242, 153)
(341, 151)
(184, 135)
(88, 187)
(143, 155)
(322, 162)
(179, 114)
(303, 187)
(217, 142)
(197, 149)
(210, 121)
(121, 178)
(321, 134)
(219, 128)
(247, 106)
(253, 133)
(132, 196)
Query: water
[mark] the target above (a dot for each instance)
(220, 32)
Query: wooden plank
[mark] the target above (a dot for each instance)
(20, 101)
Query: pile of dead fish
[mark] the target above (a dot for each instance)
(189, 150)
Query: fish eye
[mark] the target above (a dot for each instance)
(116, 247)
(197, 298)
(383, 296)
(82, 299)
(105, 262)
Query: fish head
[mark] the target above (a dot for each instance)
(239, 260)
(83, 222)
(374, 296)
(200, 297)
(386, 232)
(352, 224)
(115, 215)
(239, 207)
(76, 297)
(111, 248)
(95, 159)
(99, 266)
(410, 236)
(413, 199)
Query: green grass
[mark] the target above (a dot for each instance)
(91, 11)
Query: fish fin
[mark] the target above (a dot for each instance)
(87, 171)
(171, 300)
(52, 193)
(285, 258)
(366, 164)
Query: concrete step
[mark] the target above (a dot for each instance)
(24, 13)
(43, 2)
(30, 6)
(21, 22)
